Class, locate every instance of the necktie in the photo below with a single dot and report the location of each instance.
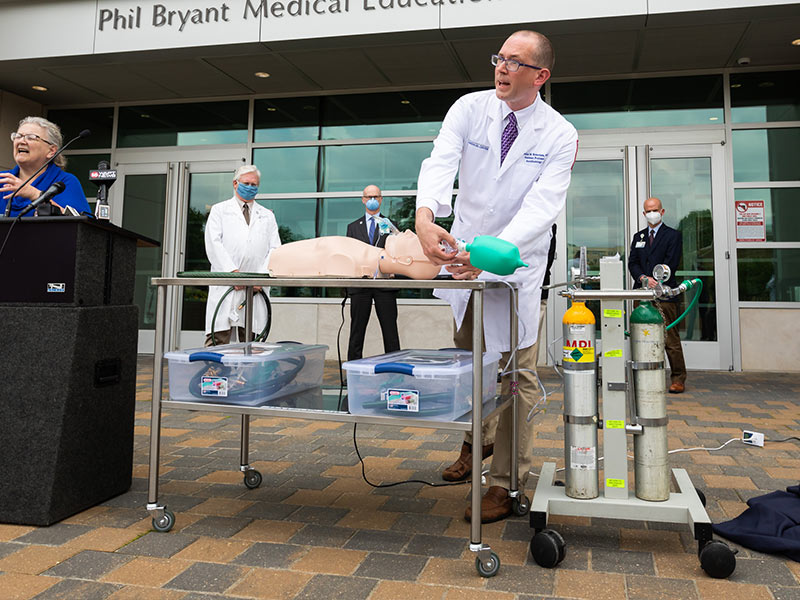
(509, 135)
(246, 212)
(652, 237)
(372, 230)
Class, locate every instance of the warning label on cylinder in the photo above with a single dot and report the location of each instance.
(583, 458)
(578, 355)
(615, 483)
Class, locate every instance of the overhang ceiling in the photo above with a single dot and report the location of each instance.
(444, 58)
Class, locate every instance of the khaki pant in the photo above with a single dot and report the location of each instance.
(224, 337)
(498, 428)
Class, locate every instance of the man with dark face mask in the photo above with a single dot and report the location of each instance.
(655, 245)
(367, 229)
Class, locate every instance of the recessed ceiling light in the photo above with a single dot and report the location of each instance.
(262, 74)
(405, 101)
(766, 84)
(144, 116)
(271, 109)
(736, 85)
(796, 42)
(39, 88)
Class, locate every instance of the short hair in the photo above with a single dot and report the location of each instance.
(246, 169)
(53, 135)
(543, 54)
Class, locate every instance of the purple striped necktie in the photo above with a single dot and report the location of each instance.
(509, 135)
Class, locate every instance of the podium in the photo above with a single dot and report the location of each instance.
(68, 368)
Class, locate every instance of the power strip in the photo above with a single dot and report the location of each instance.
(753, 438)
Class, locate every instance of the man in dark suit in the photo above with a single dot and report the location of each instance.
(366, 228)
(654, 245)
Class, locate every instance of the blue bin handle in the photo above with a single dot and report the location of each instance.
(395, 367)
(205, 355)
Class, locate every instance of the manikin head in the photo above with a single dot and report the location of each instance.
(245, 182)
(404, 256)
(653, 211)
(533, 58)
(372, 198)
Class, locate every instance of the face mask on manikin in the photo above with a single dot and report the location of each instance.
(247, 191)
(653, 217)
(373, 204)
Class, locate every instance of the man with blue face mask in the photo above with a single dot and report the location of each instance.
(367, 229)
(239, 236)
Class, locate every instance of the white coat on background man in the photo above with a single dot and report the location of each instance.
(233, 245)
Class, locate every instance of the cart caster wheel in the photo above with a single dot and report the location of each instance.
(521, 505)
(701, 495)
(718, 559)
(488, 568)
(252, 479)
(165, 522)
(548, 548)
(559, 483)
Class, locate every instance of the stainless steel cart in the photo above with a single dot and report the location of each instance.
(487, 562)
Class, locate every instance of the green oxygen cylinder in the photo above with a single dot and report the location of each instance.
(492, 254)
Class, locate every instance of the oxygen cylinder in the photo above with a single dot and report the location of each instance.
(492, 254)
(580, 402)
(651, 466)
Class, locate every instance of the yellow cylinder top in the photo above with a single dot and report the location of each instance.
(579, 314)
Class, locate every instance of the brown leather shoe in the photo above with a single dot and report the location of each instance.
(676, 388)
(461, 469)
(495, 505)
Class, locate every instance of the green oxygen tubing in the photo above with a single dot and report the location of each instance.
(261, 337)
(684, 286)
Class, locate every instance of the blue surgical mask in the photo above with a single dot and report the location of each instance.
(373, 204)
(247, 191)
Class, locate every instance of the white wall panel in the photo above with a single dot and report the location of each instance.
(49, 29)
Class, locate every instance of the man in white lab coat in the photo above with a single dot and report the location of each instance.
(239, 235)
(513, 155)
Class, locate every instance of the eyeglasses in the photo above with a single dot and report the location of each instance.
(511, 64)
(29, 137)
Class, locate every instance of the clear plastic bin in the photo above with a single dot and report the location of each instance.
(245, 374)
(424, 384)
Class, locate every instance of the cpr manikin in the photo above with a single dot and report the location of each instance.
(339, 256)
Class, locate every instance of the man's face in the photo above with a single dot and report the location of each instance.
(372, 192)
(32, 154)
(248, 179)
(652, 204)
(518, 88)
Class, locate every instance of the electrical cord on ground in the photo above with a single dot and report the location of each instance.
(791, 437)
(394, 483)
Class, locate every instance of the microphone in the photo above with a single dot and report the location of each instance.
(45, 196)
(82, 134)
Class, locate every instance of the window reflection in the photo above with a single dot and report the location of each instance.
(286, 119)
(100, 121)
(80, 165)
(769, 275)
(200, 123)
(287, 170)
(766, 154)
(389, 166)
(758, 97)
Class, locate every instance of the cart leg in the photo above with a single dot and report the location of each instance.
(477, 415)
(163, 519)
(520, 502)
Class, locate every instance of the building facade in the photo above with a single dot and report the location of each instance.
(697, 103)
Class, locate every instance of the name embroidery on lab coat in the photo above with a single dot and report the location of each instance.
(534, 158)
(477, 145)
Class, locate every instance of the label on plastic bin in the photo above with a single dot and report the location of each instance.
(583, 458)
(402, 400)
(214, 386)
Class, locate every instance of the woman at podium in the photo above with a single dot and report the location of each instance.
(36, 141)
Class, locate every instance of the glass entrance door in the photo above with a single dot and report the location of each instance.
(604, 210)
(169, 201)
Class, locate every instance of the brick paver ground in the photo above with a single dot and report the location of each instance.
(315, 529)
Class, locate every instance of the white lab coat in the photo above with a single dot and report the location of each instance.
(233, 244)
(518, 201)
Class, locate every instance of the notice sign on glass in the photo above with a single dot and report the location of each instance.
(750, 221)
